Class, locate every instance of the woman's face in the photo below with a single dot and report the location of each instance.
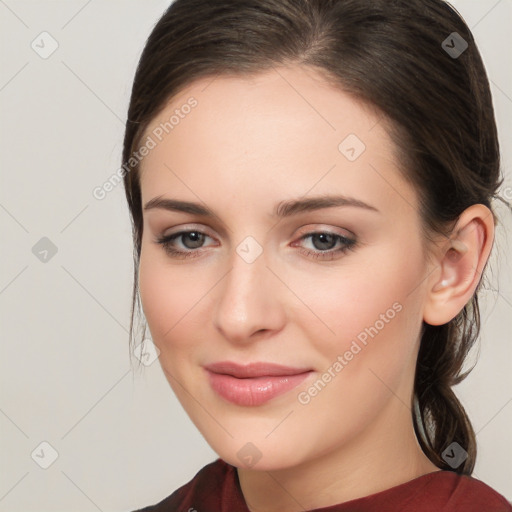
(341, 308)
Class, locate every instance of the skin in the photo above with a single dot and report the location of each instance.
(250, 143)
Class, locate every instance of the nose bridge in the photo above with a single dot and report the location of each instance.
(249, 298)
(247, 279)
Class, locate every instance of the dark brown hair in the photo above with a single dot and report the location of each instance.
(389, 54)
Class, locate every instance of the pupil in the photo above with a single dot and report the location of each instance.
(196, 239)
(325, 238)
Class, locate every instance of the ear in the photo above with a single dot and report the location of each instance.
(460, 262)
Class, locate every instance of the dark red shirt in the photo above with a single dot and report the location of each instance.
(216, 488)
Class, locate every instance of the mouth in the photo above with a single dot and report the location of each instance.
(253, 384)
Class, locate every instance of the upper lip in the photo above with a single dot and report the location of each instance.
(257, 369)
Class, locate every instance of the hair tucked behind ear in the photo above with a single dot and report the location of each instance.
(389, 54)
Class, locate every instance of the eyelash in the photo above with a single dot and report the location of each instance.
(348, 245)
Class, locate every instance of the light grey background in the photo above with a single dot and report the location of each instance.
(121, 437)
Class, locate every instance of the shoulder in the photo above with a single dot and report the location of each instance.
(205, 489)
(462, 492)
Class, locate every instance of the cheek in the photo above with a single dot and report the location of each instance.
(372, 354)
(374, 304)
(171, 297)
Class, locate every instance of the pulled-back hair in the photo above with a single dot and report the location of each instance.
(389, 54)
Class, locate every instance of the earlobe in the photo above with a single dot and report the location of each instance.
(460, 265)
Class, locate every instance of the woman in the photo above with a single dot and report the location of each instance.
(310, 184)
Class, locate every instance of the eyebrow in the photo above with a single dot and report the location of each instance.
(283, 209)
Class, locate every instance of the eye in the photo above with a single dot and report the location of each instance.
(327, 245)
(191, 240)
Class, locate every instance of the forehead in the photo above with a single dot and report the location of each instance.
(284, 129)
(286, 101)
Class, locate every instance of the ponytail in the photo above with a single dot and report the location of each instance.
(439, 417)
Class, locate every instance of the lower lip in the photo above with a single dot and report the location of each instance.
(255, 390)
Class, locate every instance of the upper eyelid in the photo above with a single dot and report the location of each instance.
(335, 231)
(304, 230)
(187, 229)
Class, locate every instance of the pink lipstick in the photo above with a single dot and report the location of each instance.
(253, 384)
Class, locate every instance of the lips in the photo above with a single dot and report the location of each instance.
(253, 384)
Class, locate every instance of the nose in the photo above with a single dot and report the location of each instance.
(250, 302)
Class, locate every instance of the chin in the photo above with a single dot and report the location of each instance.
(256, 453)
